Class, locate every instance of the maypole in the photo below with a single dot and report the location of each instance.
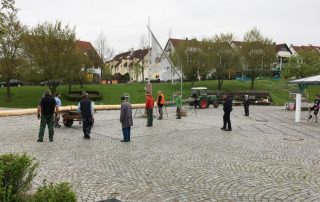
(167, 57)
(149, 85)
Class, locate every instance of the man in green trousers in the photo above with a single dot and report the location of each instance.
(46, 110)
(178, 103)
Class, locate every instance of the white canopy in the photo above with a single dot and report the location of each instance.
(308, 80)
(303, 84)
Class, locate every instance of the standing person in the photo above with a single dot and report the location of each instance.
(126, 119)
(57, 116)
(86, 108)
(46, 109)
(149, 108)
(227, 108)
(195, 102)
(160, 104)
(315, 107)
(178, 103)
(246, 105)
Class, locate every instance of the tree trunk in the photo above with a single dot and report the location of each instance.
(252, 79)
(252, 83)
(81, 83)
(8, 89)
(142, 73)
(69, 86)
(220, 82)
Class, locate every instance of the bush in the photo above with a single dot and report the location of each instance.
(55, 193)
(77, 95)
(16, 174)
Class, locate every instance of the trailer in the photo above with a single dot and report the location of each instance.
(69, 117)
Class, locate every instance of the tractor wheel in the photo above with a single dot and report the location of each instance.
(215, 104)
(203, 103)
(68, 122)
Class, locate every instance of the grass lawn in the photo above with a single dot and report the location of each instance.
(29, 96)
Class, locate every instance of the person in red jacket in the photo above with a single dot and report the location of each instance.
(149, 108)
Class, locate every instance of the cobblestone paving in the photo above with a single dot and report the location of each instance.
(267, 157)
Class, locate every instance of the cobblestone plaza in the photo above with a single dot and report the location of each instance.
(267, 156)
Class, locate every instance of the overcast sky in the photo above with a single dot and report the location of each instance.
(123, 22)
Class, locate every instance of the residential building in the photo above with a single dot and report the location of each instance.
(283, 54)
(295, 49)
(133, 62)
(94, 73)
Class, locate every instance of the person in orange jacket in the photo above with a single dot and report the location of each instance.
(160, 103)
(149, 108)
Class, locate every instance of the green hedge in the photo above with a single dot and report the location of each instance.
(77, 95)
(16, 174)
(55, 193)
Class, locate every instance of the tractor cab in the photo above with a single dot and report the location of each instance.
(199, 91)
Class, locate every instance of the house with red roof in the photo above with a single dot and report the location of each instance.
(295, 49)
(94, 72)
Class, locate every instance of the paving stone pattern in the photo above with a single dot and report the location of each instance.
(267, 156)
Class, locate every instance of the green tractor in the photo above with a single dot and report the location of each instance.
(201, 99)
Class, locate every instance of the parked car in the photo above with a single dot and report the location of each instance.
(13, 82)
(50, 83)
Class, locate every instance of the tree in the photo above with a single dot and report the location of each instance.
(11, 31)
(107, 72)
(189, 56)
(104, 50)
(143, 44)
(137, 69)
(257, 51)
(73, 66)
(220, 56)
(52, 49)
(306, 63)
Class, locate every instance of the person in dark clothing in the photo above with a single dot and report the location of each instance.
(126, 119)
(195, 102)
(46, 110)
(86, 108)
(227, 108)
(246, 105)
(315, 107)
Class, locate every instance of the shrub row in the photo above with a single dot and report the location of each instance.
(16, 175)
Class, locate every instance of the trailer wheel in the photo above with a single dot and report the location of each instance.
(203, 103)
(68, 122)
